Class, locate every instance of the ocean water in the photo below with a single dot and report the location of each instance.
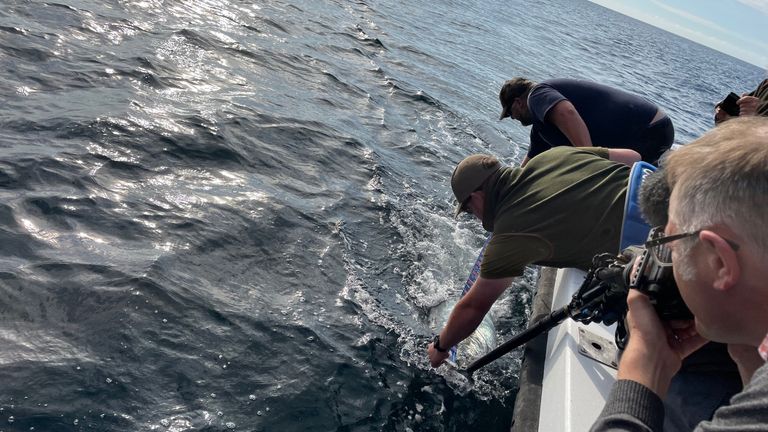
(225, 215)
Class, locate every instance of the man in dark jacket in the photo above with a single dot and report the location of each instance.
(586, 114)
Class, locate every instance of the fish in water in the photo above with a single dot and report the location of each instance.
(479, 343)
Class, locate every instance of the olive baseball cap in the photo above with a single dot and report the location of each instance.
(469, 175)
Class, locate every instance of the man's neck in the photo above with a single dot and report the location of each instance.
(763, 349)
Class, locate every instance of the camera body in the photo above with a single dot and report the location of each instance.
(654, 278)
(603, 295)
(637, 267)
(729, 104)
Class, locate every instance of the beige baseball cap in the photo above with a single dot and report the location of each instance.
(469, 175)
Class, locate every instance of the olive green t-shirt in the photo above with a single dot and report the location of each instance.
(564, 207)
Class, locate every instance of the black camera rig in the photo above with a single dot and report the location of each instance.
(602, 297)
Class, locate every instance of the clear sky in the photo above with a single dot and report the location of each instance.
(735, 27)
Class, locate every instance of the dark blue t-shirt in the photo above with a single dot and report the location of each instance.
(613, 117)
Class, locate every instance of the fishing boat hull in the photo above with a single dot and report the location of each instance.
(567, 373)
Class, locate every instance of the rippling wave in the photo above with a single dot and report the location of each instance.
(223, 215)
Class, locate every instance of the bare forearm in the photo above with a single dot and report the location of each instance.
(462, 322)
(570, 123)
(624, 156)
(467, 314)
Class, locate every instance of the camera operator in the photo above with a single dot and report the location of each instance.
(719, 242)
(708, 378)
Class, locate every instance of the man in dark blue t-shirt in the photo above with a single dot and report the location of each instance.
(586, 114)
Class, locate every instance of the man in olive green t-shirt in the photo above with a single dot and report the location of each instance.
(564, 207)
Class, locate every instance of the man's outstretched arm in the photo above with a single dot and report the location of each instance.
(467, 315)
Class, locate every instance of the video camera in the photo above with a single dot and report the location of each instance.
(602, 297)
(646, 269)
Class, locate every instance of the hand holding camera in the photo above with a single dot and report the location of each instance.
(730, 104)
(670, 346)
(748, 105)
(736, 106)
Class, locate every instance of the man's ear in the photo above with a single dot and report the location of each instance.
(722, 259)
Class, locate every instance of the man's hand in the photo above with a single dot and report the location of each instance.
(436, 358)
(467, 315)
(655, 350)
(720, 115)
(747, 105)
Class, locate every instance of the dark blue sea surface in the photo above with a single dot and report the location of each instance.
(219, 214)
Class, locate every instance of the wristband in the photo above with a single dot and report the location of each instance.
(436, 344)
